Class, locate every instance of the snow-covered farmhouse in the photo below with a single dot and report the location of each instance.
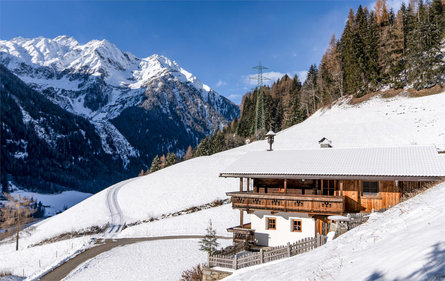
(290, 194)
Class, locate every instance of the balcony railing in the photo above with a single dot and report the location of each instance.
(315, 204)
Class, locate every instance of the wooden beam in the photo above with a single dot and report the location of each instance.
(316, 188)
(285, 185)
(271, 196)
(241, 218)
(321, 187)
(241, 184)
(341, 188)
(248, 184)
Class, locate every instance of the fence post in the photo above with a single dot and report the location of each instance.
(288, 249)
(261, 256)
(235, 262)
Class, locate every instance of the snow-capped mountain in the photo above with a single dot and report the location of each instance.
(46, 148)
(139, 106)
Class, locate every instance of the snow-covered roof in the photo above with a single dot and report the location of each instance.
(417, 162)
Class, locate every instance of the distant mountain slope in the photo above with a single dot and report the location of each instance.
(45, 147)
(139, 107)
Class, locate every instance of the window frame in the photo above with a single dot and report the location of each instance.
(293, 224)
(370, 193)
(274, 222)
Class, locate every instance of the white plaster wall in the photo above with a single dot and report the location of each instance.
(283, 233)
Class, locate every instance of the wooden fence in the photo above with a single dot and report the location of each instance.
(246, 259)
(357, 219)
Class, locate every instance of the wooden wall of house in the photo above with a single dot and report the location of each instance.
(351, 192)
(390, 193)
(294, 186)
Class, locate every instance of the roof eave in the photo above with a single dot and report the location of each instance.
(333, 177)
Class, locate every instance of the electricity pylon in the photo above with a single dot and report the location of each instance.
(260, 119)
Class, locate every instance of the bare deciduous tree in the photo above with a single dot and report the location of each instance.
(15, 213)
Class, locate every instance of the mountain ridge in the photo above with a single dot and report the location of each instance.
(169, 108)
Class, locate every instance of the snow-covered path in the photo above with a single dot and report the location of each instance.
(117, 217)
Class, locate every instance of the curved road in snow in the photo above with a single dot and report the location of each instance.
(107, 242)
(66, 268)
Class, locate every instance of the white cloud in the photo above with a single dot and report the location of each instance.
(220, 83)
(302, 75)
(234, 96)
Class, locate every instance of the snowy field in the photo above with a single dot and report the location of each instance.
(31, 261)
(406, 243)
(377, 122)
(154, 261)
(222, 218)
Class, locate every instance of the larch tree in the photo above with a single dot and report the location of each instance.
(15, 213)
(163, 161)
(189, 153)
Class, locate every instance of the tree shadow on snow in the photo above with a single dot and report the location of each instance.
(433, 269)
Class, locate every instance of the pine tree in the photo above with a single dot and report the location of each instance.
(360, 50)
(171, 159)
(155, 165)
(348, 52)
(209, 243)
(309, 90)
(371, 40)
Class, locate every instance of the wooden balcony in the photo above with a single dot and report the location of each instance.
(312, 204)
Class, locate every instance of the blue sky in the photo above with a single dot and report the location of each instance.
(218, 41)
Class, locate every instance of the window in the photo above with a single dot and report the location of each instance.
(296, 225)
(370, 187)
(271, 223)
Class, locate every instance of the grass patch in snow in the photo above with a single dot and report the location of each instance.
(391, 93)
(69, 235)
(215, 203)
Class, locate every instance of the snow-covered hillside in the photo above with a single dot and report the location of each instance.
(140, 107)
(377, 122)
(407, 242)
